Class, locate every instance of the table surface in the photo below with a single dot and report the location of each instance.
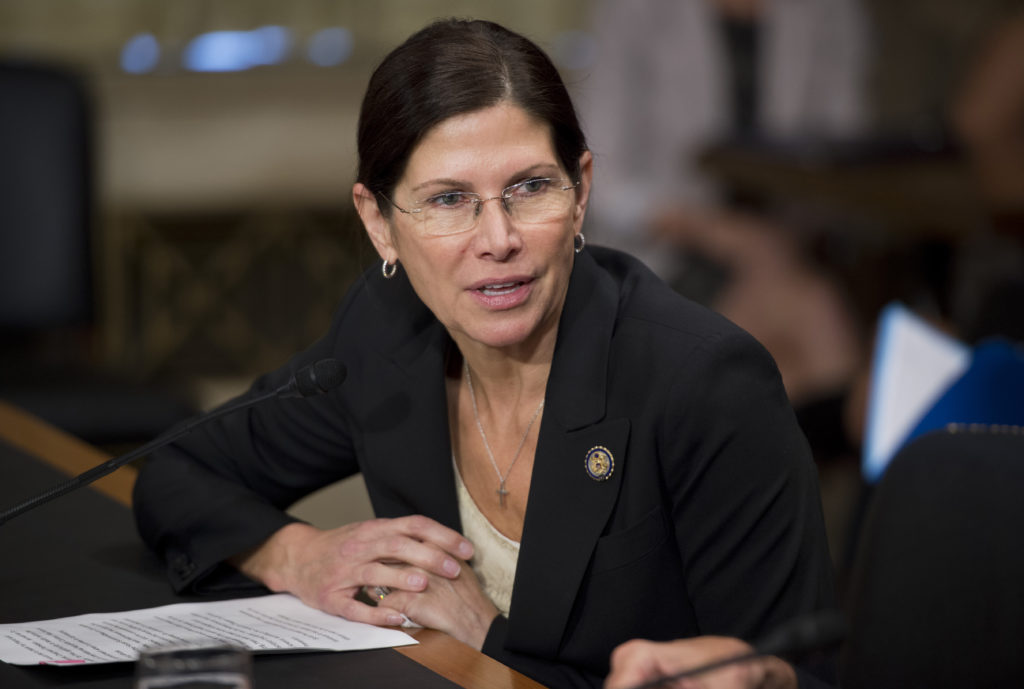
(86, 557)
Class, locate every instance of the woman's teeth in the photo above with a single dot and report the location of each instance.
(495, 290)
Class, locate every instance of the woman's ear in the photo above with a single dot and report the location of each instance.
(377, 226)
(583, 191)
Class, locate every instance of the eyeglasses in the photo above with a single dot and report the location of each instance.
(533, 201)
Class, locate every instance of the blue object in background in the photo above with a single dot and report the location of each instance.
(235, 51)
(990, 392)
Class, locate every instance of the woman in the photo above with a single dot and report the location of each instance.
(562, 453)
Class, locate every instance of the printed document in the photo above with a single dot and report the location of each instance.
(273, 623)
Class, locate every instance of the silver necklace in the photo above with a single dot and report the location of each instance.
(487, 446)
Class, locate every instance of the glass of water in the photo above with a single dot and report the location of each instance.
(194, 666)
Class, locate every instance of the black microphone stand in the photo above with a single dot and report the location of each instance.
(314, 379)
(811, 632)
(111, 465)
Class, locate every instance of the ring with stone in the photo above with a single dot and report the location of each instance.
(380, 592)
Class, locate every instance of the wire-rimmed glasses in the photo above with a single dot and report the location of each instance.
(533, 201)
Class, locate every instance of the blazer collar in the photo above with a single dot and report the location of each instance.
(577, 385)
(414, 333)
(405, 415)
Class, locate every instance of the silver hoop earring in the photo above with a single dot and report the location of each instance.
(388, 274)
(578, 242)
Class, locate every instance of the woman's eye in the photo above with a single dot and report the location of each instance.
(533, 186)
(447, 200)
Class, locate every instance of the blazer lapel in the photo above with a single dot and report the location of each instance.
(568, 507)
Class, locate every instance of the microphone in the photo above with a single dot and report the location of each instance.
(812, 632)
(315, 379)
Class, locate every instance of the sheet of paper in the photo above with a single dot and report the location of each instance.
(278, 622)
(914, 363)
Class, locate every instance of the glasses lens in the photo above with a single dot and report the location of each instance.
(539, 200)
(441, 221)
(448, 213)
(530, 202)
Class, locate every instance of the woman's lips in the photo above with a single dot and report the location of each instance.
(505, 293)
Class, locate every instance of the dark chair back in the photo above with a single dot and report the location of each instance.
(45, 199)
(48, 361)
(936, 596)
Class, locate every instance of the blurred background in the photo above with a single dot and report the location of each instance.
(175, 182)
(222, 140)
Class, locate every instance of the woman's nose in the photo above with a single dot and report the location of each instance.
(496, 233)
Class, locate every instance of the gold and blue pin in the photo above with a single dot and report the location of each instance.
(600, 464)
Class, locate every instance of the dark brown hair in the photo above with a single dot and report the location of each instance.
(453, 67)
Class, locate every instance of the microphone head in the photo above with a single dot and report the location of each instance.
(813, 632)
(317, 378)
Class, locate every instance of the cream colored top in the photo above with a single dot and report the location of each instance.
(495, 555)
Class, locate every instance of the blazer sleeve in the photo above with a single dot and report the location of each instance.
(224, 488)
(746, 502)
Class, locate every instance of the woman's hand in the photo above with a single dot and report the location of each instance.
(326, 569)
(638, 661)
(457, 606)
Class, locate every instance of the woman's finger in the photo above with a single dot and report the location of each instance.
(458, 607)
(401, 541)
(426, 530)
(355, 610)
(391, 577)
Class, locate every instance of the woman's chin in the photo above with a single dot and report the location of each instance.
(501, 335)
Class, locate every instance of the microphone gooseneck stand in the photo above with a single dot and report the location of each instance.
(816, 631)
(315, 379)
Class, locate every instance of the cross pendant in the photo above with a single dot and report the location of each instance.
(501, 494)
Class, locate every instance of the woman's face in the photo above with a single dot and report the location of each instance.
(502, 283)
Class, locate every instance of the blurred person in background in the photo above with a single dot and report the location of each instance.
(987, 116)
(673, 77)
(949, 75)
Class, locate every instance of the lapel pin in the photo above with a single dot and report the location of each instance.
(600, 464)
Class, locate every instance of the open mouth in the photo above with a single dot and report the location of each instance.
(498, 290)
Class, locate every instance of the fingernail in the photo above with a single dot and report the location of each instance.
(465, 550)
(416, 580)
(395, 620)
(451, 567)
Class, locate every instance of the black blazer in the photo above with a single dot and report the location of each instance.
(710, 522)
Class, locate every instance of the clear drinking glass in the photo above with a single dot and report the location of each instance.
(194, 666)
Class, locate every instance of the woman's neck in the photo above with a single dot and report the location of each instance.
(514, 375)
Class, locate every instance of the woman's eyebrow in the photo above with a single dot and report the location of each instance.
(440, 182)
(547, 168)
